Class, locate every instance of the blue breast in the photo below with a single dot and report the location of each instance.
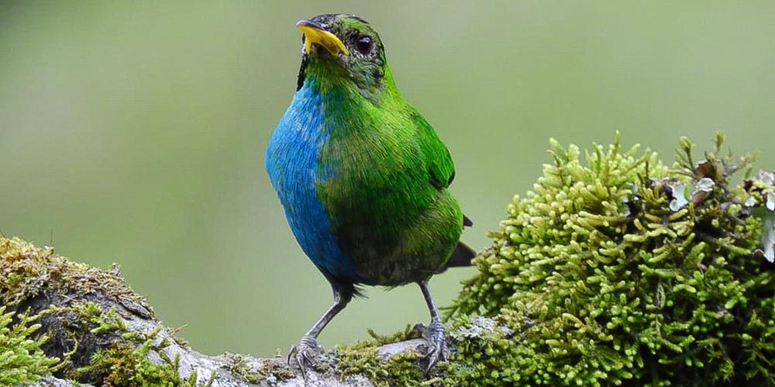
(292, 163)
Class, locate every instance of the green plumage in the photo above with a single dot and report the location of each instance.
(383, 173)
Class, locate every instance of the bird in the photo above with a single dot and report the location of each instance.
(363, 178)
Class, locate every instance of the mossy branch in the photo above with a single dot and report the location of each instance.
(615, 269)
(98, 331)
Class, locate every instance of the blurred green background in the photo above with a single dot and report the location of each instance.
(134, 131)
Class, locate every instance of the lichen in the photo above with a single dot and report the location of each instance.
(601, 281)
(21, 359)
(761, 191)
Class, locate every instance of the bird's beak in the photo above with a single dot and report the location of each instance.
(316, 33)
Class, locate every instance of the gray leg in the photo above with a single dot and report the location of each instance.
(305, 352)
(434, 334)
(339, 304)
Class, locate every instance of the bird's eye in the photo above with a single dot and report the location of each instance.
(364, 44)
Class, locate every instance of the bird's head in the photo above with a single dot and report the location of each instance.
(343, 50)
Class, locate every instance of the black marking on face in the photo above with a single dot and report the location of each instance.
(302, 70)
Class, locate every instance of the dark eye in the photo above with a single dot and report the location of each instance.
(364, 44)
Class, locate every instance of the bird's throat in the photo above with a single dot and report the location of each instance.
(328, 77)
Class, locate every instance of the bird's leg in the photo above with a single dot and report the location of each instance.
(434, 333)
(305, 352)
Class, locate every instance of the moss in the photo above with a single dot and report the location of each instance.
(102, 349)
(408, 333)
(238, 365)
(27, 271)
(269, 370)
(124, 361)
(21, 359)
(125, 364)
(402, 369)
(363, 358)
(610, 272)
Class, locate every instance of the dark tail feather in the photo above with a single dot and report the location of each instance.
(461, 257)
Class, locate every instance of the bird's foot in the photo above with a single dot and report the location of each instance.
(304, 354)
(437, 345)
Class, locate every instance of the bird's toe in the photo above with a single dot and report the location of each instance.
(304, 354)
(437, 344)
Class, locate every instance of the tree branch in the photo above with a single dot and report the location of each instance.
(103, 331)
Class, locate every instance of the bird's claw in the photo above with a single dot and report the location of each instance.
(437, 345)
(304, 354)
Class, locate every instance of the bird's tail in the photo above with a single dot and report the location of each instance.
(463, 254)
(461, 257)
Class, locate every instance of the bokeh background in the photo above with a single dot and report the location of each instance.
(134, 131)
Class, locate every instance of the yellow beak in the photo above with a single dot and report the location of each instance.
(314, 33)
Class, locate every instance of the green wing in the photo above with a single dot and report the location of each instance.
(436, 155)
(437, 158)
(442, 172)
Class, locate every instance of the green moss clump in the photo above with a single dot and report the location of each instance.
(363, 358)
(101, 349)
(609, 272)
(21, 359)
(125, 364)
(27, 271)
(271, 371)
(124, 361)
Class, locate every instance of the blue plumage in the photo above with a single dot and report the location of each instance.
(292, 162)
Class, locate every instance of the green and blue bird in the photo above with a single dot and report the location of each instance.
(363, 176)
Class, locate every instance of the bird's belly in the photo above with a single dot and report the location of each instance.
(312, 227)
(396, 236)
